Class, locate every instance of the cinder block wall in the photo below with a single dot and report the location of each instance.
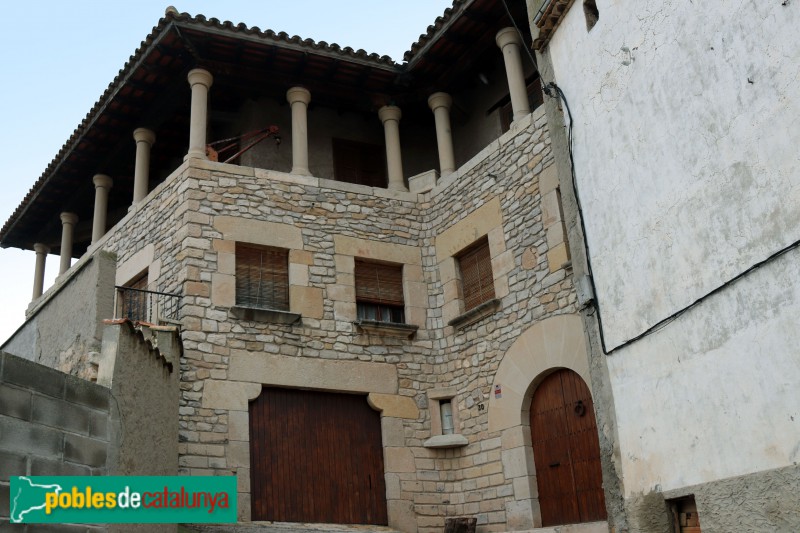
(50, 424)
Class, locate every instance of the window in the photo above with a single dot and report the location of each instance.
(379, 292)
(477, 281)
(134, 299)
(446, 411)
(360, 163)
(262, 277)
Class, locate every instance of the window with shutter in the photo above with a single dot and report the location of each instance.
(262, 277)
(134, 302)
(477, 281)
(379, 292)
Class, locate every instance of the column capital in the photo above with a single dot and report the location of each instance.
(200, 76)
(298, 94)
(40, 248)
(389, 112)
(508, 36)
(102, 181)
(144, 135)
(69, 218)
(440, 99)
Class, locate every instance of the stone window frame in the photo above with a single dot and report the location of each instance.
(437, 438)
(129, 270)
(484, 222)
(305, 301)
(343, 292)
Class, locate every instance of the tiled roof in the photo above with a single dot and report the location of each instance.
(435, 29)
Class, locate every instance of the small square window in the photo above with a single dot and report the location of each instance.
(262, 277)
(379, 292)
(477, 280)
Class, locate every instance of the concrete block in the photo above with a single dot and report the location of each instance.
(28, 374)
(60, 414)
(87, 393)
(4, 499)
(15, 402)
(98, 425)
(12, 464)
(54, 467)
(85, 451)
(39, 440)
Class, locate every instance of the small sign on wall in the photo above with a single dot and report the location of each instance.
(498, 392)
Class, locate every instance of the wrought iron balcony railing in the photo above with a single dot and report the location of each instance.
(141, 305)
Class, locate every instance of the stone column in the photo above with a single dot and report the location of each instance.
(440, 104)
(509, 41)
(38, 275)
(68, 221)
(390, 116)
(200, 80)
(298, 98)
(102, 184)
(141, 173)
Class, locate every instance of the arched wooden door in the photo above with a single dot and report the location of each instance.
(316, 457)
(566, 451)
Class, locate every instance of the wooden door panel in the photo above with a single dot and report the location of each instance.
(316, 457)
(566, 451)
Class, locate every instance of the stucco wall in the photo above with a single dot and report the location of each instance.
(687, 168)
(686, 157)
(65, 324)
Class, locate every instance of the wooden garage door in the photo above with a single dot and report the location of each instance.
(316, 457)
(566, 451)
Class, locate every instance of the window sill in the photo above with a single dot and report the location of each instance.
(475, 314)
(446, 441)
(386, 329)
(255, 314)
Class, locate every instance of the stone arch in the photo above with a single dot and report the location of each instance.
(553, 343)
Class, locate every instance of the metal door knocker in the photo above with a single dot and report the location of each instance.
(580, 409)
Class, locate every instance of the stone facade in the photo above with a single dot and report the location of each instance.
(184, 234)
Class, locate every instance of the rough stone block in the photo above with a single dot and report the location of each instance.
(39, 440)
(31, 375)
(12, 463)
(15, 402)
(87, 393)
(60, 414)
(85, 451)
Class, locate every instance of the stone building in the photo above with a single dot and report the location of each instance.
(685, 161)
(377, 315)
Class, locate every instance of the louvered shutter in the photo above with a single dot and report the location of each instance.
(379, 283)
(262, 277)
(477, 281)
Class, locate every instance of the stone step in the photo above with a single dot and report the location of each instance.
(589, 527)
(281, 527)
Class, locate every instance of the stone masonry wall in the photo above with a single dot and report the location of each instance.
(195, 217)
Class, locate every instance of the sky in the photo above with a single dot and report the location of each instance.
(57, 58)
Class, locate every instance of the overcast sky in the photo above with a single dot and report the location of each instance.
(57, 58)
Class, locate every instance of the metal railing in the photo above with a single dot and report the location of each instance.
(141, 305)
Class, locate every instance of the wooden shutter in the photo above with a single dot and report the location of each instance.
(378, 283)
(262, 277)
(360, 163)
(477, 281)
